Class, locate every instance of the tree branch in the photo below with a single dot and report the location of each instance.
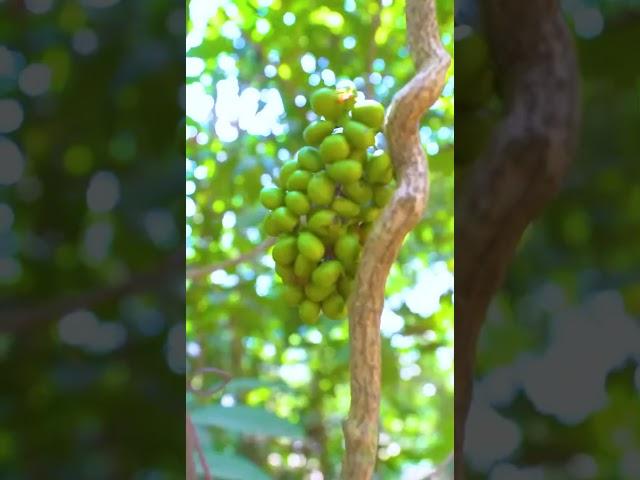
(195, 273)
(520, 171)
(399, 217)
(21, 319)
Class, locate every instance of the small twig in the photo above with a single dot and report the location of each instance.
(195, 442)
(194, 273)
(226, 378)
(373, 48)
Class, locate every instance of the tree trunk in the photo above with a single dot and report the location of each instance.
(381, 249)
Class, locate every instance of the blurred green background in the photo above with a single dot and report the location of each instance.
(91, 240)
(251, 67)
(558, 381)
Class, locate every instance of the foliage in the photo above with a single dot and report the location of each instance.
(90, 202)
(251, 67)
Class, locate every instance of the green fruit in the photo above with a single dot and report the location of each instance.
(345, 207)
(317, 131)
(334, 148)
(303, 267)
(318, 293)
(271, 197)
(269, 226)
(285, 250)
(359, 155)
(334, 307)
(321, 189)
(347, 250)
(309, 159)
(286, 274)
(345, 286)
(345, 171)
(379, 168)
(369, 112)
(297, 202)
(382, 194)
(371, 214)
(324, 223)
(359, 192)
(285, 172)
(359, 135)
(327, 273)
(292, 295)
(299, 180)
(310, 246)
(284, 219)
(309, 311)
(326, 102)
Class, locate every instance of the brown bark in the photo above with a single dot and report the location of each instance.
(520, 171)
(401, 214)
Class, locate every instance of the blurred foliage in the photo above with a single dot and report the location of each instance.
(250, 69)
(91, 198)
(559, 360)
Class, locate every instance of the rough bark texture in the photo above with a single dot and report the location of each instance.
(401, 214)
(522, 168)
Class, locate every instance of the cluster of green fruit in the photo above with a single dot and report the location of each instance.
(326, 201)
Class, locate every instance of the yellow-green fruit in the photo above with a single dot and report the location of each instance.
(326, 102)
(371, 214)
(327, 273)
(285, 172)
(284, 219)
(292, 295)
(271, 197)
(297, 202)
(345, 171)
(324, 222)
(309, 159)
(321, 189)
(334, 148)
(286, 274)
(359, 155)
(318, 293)
(303, 267)
(317, 131)
(379, 168)
(382, 194)
(334, 306)
(359, 192)
(310, 246)
(269, 226)
(369, 112)
(345, 286)
(345, 207)
(359, 135)
(285, 250)
(347, 250)
(308, 311)
(299, 180)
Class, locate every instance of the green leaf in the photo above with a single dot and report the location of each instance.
(225, 466)
(246, 420)
(243, 385)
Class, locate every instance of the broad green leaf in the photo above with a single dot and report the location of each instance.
(224, 466)
(246, 420)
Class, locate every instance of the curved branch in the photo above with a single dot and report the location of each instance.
(194, 273)
(381, 249)
(520, 171)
